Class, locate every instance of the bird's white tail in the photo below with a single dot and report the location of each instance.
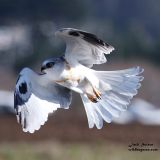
(117, 89)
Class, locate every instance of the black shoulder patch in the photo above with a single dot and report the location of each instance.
(91, 38)
(74, 33)
(23, 88)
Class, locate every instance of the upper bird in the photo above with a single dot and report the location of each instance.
(104, 93)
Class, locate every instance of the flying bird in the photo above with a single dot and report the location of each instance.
(105, 94)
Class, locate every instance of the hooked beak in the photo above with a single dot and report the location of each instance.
(43, 68)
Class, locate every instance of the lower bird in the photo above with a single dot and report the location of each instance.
(105, 94)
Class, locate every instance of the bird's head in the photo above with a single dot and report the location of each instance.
(50, 64)
(47, 64)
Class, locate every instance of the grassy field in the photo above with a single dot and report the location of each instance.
(71, 151)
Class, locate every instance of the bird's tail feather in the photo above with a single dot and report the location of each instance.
(117, 89)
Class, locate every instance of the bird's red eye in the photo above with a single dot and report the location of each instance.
(50, 64)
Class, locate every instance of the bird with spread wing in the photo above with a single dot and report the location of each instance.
(105, 94)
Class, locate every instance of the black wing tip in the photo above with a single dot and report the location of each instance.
(18, 100)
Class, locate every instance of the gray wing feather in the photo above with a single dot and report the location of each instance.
(34, 100)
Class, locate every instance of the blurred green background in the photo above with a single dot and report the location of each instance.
(27, 38)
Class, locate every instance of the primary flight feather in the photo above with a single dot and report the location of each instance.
(105, 94)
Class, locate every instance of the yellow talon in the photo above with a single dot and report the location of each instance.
(97, 93)
(92, 98)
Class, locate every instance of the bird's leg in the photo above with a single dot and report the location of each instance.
(97, 92)
(92, 92)
(92, 98)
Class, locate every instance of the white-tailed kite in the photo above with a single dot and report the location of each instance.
(105, 94)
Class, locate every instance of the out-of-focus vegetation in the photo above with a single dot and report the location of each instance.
(132, 27)
(72, 151)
